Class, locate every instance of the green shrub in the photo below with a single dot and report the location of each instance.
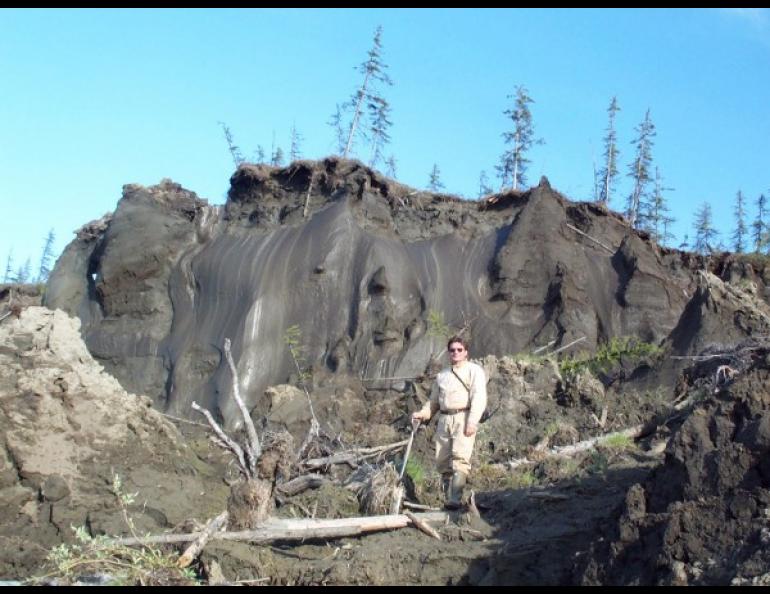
(124, 565)
(415, 471)
(608, 356)
(437, 327)
(617, 442)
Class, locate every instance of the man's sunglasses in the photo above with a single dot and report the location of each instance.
(456, 350)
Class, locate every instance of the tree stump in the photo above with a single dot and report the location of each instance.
(250, 503)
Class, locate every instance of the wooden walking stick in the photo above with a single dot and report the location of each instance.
(398, 491)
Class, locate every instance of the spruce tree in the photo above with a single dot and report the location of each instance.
(45, 260)
(296, 138)
(390, 165)
(277, 159)
(8, 277)
(741, 230)
(639, 169)
(379, 118)
(373, 70)
(513, 161)
(705, 234)
(339, 133)
(484, 187)
(609, 171)
(759, 227)
(434, 183)
(23, 273)
(655, 216)
(235, 152)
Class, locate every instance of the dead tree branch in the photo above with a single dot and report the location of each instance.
(581, 446)
(196, 547)
(293, 529)
(419, 506)
(353, 456)
(254, 450)
(301, 483)
(566, 346)
(544, 347)
(223, 438)
(422, 525)
(596, 241)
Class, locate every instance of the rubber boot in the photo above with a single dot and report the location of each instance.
(446, 481)
(455, 499)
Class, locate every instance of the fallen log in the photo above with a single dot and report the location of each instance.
(582, 446)
(300, 484)
(422, 525)
(352, 456)
(196, 547)
(565, 347)
(294, 529)
(419, 506)
(596, 241)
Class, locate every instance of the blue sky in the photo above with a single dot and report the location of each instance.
(94, 99)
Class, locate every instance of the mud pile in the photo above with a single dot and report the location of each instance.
(374, 274)
(703, 517)
(67, 429)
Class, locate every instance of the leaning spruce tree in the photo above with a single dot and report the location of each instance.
(513, 161)
(45, 259)
(235, 152)
(368, 93)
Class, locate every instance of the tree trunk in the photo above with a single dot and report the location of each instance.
(249, 504)
(296, 529)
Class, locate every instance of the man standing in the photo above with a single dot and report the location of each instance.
(460, 394)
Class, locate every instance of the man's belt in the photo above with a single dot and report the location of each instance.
(454, 411)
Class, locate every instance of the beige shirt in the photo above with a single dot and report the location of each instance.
(447, 391)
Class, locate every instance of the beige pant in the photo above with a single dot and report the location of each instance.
(453, 448)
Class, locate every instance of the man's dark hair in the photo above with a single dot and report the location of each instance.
(460, 339)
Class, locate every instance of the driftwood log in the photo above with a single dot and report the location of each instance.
(582, 446)
(295, 529)
(196, 547)
(352, 457)
(301, 483)
(422, 525)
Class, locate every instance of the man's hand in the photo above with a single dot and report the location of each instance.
(470, 429)
(417, 417)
